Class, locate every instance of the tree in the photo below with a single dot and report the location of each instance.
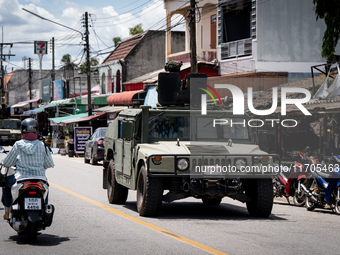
(82, 68)
(66, 60)
(136, 29)
(68, 65)
(116, 40)
(329, 11)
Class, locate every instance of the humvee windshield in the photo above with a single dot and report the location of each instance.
(210, 128)
(169, 127)
(11, 124)
(173, 127)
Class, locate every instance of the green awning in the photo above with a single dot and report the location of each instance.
(100, 100)
(59, 119)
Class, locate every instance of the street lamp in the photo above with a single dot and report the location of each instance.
(53, 21)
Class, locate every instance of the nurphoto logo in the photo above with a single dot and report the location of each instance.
(239, 102)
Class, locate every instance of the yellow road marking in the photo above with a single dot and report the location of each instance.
(144, 223)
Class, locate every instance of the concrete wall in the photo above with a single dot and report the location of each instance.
(18, 84)
(287, 31)
(288, 39)
(177, 41)
(149, 55)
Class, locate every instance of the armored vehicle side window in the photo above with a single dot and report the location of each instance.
(169, 127)
(126, 130)
(227, 129)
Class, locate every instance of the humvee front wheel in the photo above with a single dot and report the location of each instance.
(260, 192)
(149, 194)
(116, 193)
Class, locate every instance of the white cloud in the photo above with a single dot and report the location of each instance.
(33, 1)
(20, 26)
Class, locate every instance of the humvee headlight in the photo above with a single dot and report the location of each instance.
(265, 159)
(240, 163)
(157, 160)
(182, 164)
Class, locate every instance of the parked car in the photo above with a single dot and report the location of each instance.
(94, 147)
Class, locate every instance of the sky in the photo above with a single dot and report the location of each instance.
(108, 19)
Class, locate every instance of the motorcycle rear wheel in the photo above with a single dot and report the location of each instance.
(310, 205)
(31, 232)
(298, 198)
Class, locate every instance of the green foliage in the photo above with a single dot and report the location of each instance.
(136, 29)
(82, 68)
(66, 60)
(116, 40)
(329, 11)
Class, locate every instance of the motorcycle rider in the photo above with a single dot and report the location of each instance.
(29, 155)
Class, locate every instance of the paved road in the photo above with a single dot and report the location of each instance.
(85, 223)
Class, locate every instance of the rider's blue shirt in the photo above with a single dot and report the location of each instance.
(29, 157)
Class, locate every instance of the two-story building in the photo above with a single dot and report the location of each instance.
(279, 38)
(135, 56)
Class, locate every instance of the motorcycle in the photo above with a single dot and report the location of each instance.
(29, 212)
(290, 186)
(324, 187)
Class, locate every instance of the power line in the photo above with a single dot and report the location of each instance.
(126, 12)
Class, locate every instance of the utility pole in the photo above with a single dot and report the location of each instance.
(53, 72)
(30, 80)
(2, 58)
(192, 26)
(88, 67)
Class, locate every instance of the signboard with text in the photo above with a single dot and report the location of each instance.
(58, 89)
(110, 117)
(81, 135)
(40, 47)
(46, 90)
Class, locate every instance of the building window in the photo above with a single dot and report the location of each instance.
(236, 21)
(236, 27)
(103, 88)
(109, 81)
(118, 81)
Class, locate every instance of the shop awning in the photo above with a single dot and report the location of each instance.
(64, 101)
(126, 97)
(25, 103)
(110, 108)
(38, 110)
(95, 116)
(60, 119)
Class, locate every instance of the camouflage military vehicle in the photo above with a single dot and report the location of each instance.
(9, 131)
(167, 154)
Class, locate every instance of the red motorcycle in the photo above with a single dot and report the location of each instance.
(288, 184)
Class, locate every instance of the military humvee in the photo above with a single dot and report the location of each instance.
(171, 150)
(10, 131)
